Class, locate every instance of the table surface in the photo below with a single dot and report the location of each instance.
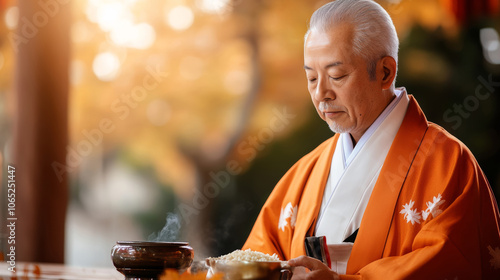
(45, 271)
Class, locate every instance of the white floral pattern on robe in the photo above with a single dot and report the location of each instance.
(287, 212)
(413, 215)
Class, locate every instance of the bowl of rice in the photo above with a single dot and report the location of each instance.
(249, 265)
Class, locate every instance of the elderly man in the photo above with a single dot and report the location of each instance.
(395, 196)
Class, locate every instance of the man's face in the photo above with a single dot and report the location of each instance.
(338, 81)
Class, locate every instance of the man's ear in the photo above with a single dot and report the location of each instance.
(388, 67)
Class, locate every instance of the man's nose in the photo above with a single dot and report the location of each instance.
(324, 90)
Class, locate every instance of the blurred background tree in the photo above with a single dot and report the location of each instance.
(198, 107)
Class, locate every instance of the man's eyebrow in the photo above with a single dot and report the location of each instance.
(337, 63)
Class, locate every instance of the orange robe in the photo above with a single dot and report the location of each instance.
(431, 215)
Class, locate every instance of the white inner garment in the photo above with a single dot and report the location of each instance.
(353, 173)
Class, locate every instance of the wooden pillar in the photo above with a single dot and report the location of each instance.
(41, 43)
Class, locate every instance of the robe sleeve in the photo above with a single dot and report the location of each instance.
(292, 207)
(462, 242)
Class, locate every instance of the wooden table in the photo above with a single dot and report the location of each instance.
(45, 271)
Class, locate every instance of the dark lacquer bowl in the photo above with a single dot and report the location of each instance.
(147, 260)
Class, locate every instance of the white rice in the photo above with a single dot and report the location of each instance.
(249, 256)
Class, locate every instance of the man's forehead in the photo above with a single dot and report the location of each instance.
(318, 40)
(330, 48)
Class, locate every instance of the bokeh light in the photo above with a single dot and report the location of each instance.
(108, 14)
(491, 45)
(106, 66)
(180, 17)
(214, 6)
(139, 36)
(12, 17)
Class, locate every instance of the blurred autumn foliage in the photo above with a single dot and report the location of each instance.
(211, 83)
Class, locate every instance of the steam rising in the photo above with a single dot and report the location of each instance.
(170, 232)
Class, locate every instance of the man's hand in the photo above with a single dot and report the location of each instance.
(317, 269)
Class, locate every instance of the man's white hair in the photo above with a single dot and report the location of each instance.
(374, 32)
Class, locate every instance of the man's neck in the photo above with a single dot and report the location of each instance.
(389, 96)
(351, 146)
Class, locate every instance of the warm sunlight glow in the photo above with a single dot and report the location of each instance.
(11, 17)
(139, 36)
(109, 14)
(106, 66)
(180, 17)
(80, 32)
(214, 6)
